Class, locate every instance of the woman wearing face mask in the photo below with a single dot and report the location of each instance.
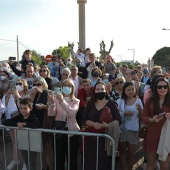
(96, 74)
(4, 82)
(69, 63)
(98, 105)
(65, 107)
(105, 79)
(11, 98)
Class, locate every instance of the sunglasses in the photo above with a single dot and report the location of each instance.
(120, 82)
(160, 87)
(38, 84)
(43, 70)
(20, 84)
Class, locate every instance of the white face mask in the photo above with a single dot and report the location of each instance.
(18, 68)
(68, 62)
(3, 77)
(19, 88)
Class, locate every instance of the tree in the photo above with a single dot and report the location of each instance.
(162, 57)
(63, 52)
(36, 57)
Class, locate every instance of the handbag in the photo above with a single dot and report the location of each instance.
(106, 115)
(59, 125)
(143, 131)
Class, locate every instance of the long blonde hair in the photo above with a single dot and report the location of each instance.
(72, 95)
(24, 84)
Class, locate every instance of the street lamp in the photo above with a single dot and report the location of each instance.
(165, 29)
(133, 54)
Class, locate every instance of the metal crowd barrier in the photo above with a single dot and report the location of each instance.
(31, 140)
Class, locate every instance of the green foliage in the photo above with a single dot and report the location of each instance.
(162, 57)
(63, 52)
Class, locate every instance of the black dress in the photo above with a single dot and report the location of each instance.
(90, 144)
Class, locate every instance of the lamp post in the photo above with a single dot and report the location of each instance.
(133, 54)
(82, 23)
(165, 29)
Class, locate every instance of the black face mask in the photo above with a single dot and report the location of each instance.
(100, 95)
(95, 74)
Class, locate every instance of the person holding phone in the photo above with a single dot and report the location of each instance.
(130, 107)
(152, 116)
(38, 95)
(64, 107)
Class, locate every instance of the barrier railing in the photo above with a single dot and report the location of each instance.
(31, 140)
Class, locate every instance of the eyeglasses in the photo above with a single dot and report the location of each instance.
(43, 70)
(20, 84)
(120, 82)
(38, 84)
(164, 86)
(73, 69)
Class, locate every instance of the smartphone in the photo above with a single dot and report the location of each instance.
(12, 58)
(13, 85)
(161, 114)
(57, 90)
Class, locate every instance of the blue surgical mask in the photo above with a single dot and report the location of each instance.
(78, 64)
(67, 90)
(145, 71)
(57, 64)
(106, 81)
(68, 62)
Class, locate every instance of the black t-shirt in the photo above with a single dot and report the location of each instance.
(32, 121)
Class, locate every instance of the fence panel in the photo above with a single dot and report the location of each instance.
(31, 140)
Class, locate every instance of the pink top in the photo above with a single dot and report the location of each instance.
(70, 108)
(147, 94)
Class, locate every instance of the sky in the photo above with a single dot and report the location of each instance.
(44, 25)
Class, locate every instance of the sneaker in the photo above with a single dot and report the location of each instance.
(24, 167)
(12, 164)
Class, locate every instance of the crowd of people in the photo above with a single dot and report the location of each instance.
(91, 95)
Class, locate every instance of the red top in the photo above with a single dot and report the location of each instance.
(154, 129)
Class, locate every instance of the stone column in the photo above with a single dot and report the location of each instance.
(82, 24)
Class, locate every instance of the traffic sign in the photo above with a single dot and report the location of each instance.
(48, 58)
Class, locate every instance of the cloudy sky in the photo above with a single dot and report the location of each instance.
(44, 25)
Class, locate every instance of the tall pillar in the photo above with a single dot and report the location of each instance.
(82, 24)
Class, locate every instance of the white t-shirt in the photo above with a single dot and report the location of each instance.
(29, 82)
(132, 122)
(81, 57)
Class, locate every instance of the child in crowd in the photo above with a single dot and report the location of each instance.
(25, 119)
